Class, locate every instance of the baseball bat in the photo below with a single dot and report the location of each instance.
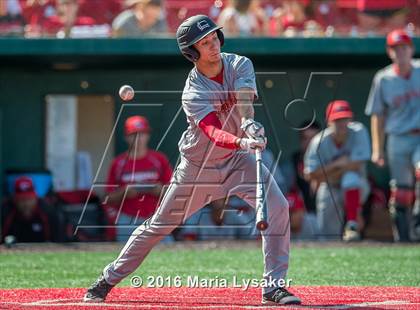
(261, 222)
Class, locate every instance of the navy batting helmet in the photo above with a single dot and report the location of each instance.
(192, 30)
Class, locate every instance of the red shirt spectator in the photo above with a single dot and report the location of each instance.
(179, 10)
(55, 24)
(35, 13)
(290, 19)
(11, 20)
(61, 18)
(153, 168)
(135, 168)
(243, 18)
(326, 12)
(102, 11)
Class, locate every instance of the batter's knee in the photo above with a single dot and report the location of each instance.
(351, 179)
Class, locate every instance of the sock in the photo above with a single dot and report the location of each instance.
(352, 204)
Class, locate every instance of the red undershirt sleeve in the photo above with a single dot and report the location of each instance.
(212, 127)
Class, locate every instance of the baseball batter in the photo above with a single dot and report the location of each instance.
(215, 160)
(394, 107)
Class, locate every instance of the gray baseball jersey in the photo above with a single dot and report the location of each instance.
(322, 150)
(329, 197)
(397, 98)
(202, 96)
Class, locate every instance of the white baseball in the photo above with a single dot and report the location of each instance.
(126, 92)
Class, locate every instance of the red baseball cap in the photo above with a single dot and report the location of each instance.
(135, 124)
(398, 37)
(338, 109)
(24, 188)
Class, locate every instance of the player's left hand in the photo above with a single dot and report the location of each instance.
(253, 129)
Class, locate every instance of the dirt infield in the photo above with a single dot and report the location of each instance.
(313, 297)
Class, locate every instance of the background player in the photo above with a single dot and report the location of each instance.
(140, 174)
(217, 100)
(336, 159)
(394, 106)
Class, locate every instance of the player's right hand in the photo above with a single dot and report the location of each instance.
(378, 159)
(250, 145)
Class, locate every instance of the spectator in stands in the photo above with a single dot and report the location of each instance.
(397, 20)
(145, 17)
(331, 18)
(136, 178)
(102, 11)
(179, 10)
(336, 159)
(378, 17)
(243, 18)
(36, 12)
(65, 19)
(289, 19)
(11, 20)
(62, 21)
(28, 218)
(300, 184)
(369, 24)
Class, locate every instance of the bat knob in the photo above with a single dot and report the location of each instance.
(262, 225)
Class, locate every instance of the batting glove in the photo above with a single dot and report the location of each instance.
(253, 129)
(250, 145)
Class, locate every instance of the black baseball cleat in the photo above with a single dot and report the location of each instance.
(280, 296)
(98, 291)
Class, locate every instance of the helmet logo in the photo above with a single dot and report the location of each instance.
(203, 24)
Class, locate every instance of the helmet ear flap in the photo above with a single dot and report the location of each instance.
(191, 53)
(221, 37)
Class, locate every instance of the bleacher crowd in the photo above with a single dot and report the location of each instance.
(243, 18)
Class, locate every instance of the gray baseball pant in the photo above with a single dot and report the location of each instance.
(190, 189)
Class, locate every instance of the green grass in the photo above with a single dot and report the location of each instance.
(383, 266)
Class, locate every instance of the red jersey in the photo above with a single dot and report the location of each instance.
(102, 11)
(54, 24)
(151, 169)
